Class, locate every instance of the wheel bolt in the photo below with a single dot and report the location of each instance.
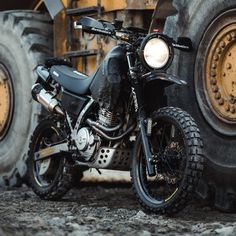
(233, 34)
(222, 44)
(213, 73)
(213, 81)
(228, 66)
(221, 102)
(217, 95)
(227, 108)
(218, 50)
(213, 66)
(232, 109)
(229, 37)
(232, 99)
(215, 89)
(224, 74)
(216, 57)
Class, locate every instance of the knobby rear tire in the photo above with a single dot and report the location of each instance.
(63, 179)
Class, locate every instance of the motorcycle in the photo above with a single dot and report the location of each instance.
(116, 119)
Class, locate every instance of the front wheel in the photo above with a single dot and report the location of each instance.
(176, 145)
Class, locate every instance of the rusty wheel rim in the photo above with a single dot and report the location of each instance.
(220, 74)
(6, 101)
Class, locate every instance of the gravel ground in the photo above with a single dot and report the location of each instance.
(103, 210)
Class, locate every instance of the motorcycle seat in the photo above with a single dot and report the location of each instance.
(71, 79)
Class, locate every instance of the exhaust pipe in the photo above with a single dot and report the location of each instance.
(46, 99)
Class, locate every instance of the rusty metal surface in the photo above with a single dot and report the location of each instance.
(5, 101)
(60, 34)
(121, 4)
(220, 74)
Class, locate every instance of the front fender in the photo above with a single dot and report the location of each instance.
(164, 79)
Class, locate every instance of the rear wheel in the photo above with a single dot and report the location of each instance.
(177, 147)
(26, 40)
(50, 178)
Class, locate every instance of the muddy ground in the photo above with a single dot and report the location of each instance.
(103, 210)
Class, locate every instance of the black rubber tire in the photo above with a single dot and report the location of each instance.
(62, 180)
(26, 40)
(192, 169)
(192, 20)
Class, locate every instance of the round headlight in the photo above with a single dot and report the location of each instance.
(157, 53)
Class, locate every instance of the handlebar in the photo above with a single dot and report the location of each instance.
(123, 35)
(129, 34)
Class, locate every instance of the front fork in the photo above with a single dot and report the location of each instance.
(140, 111)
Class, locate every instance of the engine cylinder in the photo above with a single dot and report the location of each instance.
(107, 118)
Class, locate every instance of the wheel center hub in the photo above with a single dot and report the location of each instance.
(220, 73)
(6, 101)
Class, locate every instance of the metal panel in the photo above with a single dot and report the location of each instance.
(54, 7)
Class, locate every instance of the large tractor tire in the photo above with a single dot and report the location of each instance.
(25, 41)
(210, 96)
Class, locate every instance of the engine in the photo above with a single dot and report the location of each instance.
(86, 142)
(107, 118)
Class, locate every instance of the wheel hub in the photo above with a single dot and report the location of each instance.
(6, 101)
(220, 74)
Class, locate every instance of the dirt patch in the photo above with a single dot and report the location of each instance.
(103, 210)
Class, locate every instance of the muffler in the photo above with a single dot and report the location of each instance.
(46, 98)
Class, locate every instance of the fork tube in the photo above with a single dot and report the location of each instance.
(139, 109)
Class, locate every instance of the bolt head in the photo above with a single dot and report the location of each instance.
(213, 73)
(227, 108)
(216, 57)
(229, 37)
(228, 66)
(219, 50)
(215, 89)
(221, 102)
(217, 96)
(222, 44)
(232, 109)
(213, 81)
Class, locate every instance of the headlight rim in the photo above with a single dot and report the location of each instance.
(167, 40)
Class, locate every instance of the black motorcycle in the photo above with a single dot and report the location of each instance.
(116, 119)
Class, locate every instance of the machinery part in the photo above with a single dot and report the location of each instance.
(178, 157)
(112, 158)
(6, 104)
(104, 128)
(206, 78)
(215, 84)
(86, 143)
(25, 41)
(46, 99)
(116, 138)
(50, 151)
(49, 178)
(107, 118)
